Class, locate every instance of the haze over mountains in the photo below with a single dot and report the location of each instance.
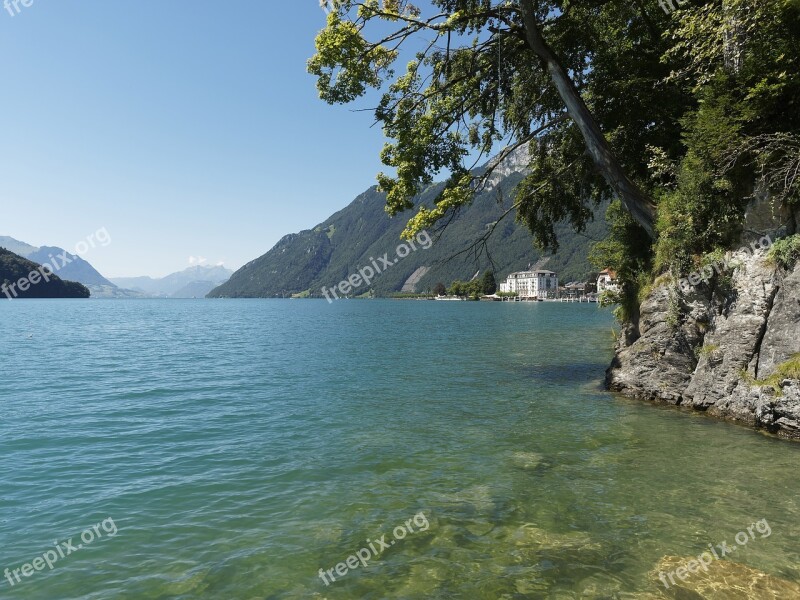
(482, 236)
(194, 282)
(14, 269)
(302, 263)
(76, 269)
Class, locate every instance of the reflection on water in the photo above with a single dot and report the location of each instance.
(240, 447)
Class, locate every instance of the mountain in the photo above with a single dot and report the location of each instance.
(76, 269)
(195, 289)
(65, 265)
(15, 246)
(111, 291)
(193, 282)
(14, 268)
(302, 263)
(139, 284)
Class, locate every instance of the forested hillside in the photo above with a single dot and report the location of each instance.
(14, 268)
(330, 252)
(685, 113)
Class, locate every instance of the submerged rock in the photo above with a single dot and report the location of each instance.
(534, 537)
(478, 498)
(423, 580)
(526, 460)
(725, 580)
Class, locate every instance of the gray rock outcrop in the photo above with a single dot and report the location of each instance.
(711, 346)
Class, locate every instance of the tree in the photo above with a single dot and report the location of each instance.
(638, 204)
(474, 289)
(439, 289)
(458, 288)
(684, 117)
(488, 283)
(522, 73)
(591, 283)
(464, 289)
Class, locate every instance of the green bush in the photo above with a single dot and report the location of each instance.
(785, 252)
(789, 369)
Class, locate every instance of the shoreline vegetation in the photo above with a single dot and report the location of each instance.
(635, 157)
(686, 120)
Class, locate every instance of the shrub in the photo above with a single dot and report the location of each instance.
(785, 252)
(789, 369)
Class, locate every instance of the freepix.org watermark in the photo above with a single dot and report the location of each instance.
(705, 559)
(14, 7)
(366, 274)
(59, 261)
(370, 551)
(669, 5)
(62, 550)
(706, 273)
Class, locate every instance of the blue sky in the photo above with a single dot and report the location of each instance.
(184, 127)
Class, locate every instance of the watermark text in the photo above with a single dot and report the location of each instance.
(14, 7)
(46, 270)
(705, 559)
(62, 550)
(371, 551)
(366, 274)
(706, 273)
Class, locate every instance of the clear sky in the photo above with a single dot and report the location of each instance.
(186, 128)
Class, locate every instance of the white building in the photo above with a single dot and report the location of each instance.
(607, 280)
(575, 289)
(532, 284)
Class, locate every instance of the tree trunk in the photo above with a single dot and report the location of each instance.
(635, 201)
(733, 42)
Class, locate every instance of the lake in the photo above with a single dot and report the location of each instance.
(246, 449)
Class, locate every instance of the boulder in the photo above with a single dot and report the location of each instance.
(724, 580)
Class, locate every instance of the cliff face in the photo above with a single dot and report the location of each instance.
(712, 346)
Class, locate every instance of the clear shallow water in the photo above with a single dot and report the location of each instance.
(240, 446)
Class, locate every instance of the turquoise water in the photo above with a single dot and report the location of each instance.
(238, 447)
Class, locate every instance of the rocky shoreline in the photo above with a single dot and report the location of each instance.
(720, 346)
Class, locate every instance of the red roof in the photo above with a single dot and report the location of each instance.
(610, 272)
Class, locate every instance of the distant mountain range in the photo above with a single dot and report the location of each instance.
(14, 268)
(194, 282)
(302, 263)
(76, 269)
